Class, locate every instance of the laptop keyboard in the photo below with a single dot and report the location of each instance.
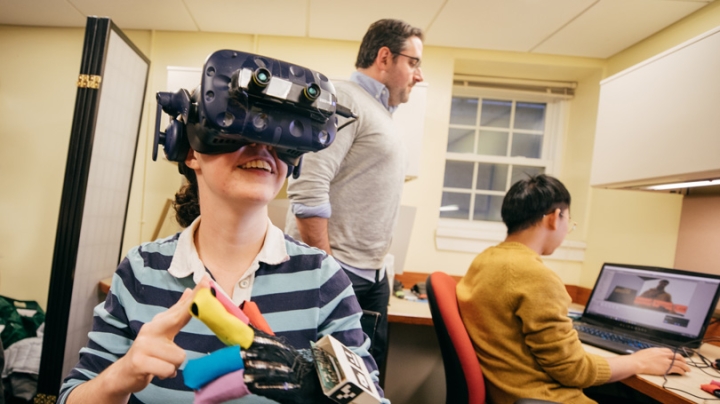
(611, 336)
(618, 343)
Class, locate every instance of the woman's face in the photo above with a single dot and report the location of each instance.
(251, 175)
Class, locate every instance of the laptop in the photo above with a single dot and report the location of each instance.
(633, 307)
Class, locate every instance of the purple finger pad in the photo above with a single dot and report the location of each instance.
(225, 388)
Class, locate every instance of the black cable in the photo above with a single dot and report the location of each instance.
(346, 124)
(705, 361)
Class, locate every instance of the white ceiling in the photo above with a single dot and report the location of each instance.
(592, 28)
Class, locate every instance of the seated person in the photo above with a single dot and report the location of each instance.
(143, 333)
(658, 292)
(515, 309)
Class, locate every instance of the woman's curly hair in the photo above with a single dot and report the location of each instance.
(187, 201)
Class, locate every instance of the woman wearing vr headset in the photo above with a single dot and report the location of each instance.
(143, 334)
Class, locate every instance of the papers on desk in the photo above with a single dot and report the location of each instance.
(412, 298)
(409, 311)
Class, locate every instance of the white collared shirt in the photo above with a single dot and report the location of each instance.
(186, 260)
(375, 88)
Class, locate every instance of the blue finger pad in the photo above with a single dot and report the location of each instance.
(201, 371)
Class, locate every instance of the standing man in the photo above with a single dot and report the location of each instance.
(347, 200)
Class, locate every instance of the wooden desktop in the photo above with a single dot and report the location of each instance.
(688, 383)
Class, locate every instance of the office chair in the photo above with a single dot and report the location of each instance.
(464, 380)
(369, 321)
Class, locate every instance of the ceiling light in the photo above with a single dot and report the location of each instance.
(690, 184)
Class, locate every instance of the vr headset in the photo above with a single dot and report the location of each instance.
(245, 98)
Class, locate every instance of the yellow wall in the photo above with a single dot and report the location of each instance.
(37, 94)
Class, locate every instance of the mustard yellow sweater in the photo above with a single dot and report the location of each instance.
(515, 310)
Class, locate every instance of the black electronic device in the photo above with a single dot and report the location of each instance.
(621, 316)
(246, 98)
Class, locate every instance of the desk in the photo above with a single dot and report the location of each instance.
(652, 385)
(104, 285)
(414, 371)
(409, 312)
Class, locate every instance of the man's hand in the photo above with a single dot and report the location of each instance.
(650, 361)
(656, 361)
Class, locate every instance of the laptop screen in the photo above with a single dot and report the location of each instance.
(658, 302)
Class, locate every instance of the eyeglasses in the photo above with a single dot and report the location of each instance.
(574, 224)
(414, 62)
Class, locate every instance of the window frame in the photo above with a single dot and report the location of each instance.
(475, 235)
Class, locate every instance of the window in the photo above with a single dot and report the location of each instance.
(492, 143)
(495, 138)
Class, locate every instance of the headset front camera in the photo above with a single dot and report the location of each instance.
(261, 77)
(311, 92)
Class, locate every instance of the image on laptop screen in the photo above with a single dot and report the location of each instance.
(656, 299)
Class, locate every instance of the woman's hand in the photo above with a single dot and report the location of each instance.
(276, 370)
(153, 353)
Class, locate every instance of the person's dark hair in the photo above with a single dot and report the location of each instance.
(187, 201)
(529, 199)
(386, 32)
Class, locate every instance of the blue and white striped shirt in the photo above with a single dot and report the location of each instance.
(302, 298)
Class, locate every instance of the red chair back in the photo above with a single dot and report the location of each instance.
(463, 375)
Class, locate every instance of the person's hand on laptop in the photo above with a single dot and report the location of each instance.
(650, 361)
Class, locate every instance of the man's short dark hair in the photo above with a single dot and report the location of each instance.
(529, 199)
(386, 32)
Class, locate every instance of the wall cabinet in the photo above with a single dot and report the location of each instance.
(659, 121)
